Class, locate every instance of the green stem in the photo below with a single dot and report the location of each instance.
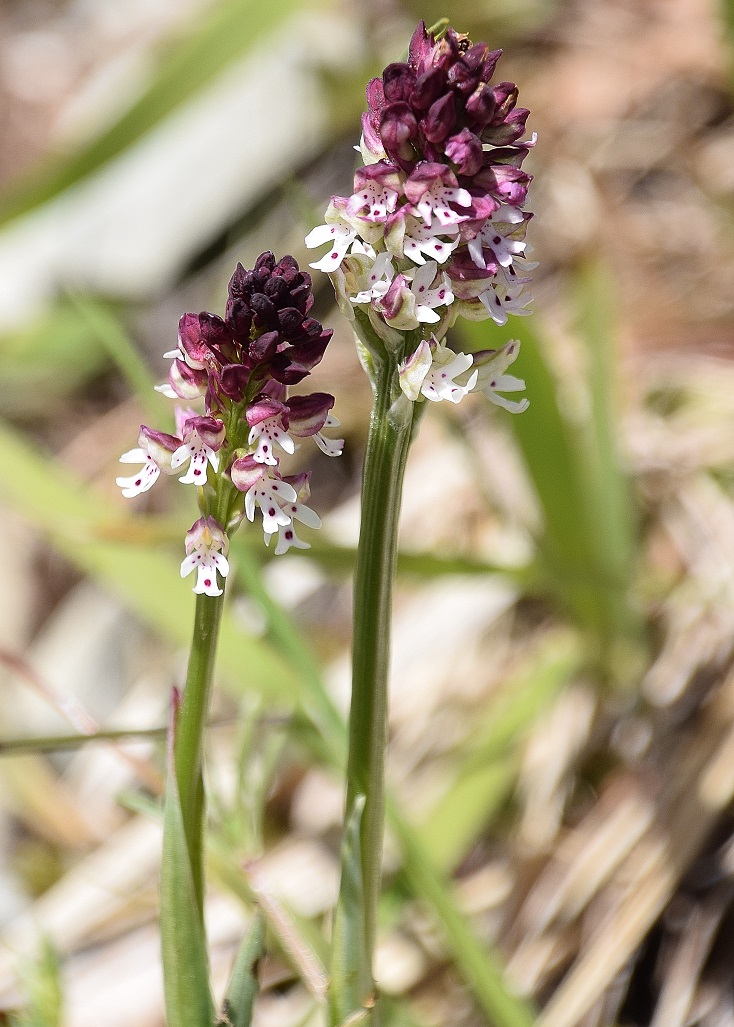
(190, 731)
(385, 459)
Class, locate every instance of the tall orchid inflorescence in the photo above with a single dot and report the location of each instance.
(241, 368)
(435, 228)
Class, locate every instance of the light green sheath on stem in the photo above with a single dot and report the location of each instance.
(385, 459)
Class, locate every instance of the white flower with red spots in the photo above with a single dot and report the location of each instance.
(431, 371)
(206, 546)
(155, 452)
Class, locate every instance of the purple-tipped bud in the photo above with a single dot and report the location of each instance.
(191, 341)
(159, 446)
(187, 382)
(265, 407)
(233, 381)
(490, 63)
(308, 413)
(428, 88)
(263, 347)
(465, 151)
(210, 430)
(398, 81)
(265, 313)
(424, 176)
(507, 183)
(481, 105)
(294, 363)
(245, 472)
(421, 48)
(511, 129)
(397, 127)
(441, 119)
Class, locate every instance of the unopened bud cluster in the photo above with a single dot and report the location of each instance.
(241, 368)
(435, 227)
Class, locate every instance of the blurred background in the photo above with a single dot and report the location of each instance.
(562, 728)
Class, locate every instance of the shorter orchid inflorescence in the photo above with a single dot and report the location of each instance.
(435, 228)
(241, 367)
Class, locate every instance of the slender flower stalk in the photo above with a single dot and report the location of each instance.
(434, 230)
(240, 370)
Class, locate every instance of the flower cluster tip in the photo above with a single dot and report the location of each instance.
(241, 368)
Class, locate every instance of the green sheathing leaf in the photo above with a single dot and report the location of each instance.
(189, 1001)
(243, 984)
(226, 33)
(350, 988)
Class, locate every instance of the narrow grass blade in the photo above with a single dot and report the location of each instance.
(243, 984)
(489, 765)
(479, 965)
(46, 360)
(189, 1000)
(108, 332)
(224, 34)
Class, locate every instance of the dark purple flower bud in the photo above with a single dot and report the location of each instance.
(276, 289)
(266, 261)
(428, 88)
(238, 316)
(245, 472)
(441, 119)
(290, 321)
(375, 96)
(506, 183)
(512, 128)
(490, 63)
(398, 81)
(475, 56)
(238, 282)
(265, 314)
(263, 347)
(265, 407)
(308, 413)
(294, 363)
(233, 381)
(462, 78)
(465, 150)
(505, 98)
(397, 127)
(481, 105)
(214, 331)
(421, 48)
